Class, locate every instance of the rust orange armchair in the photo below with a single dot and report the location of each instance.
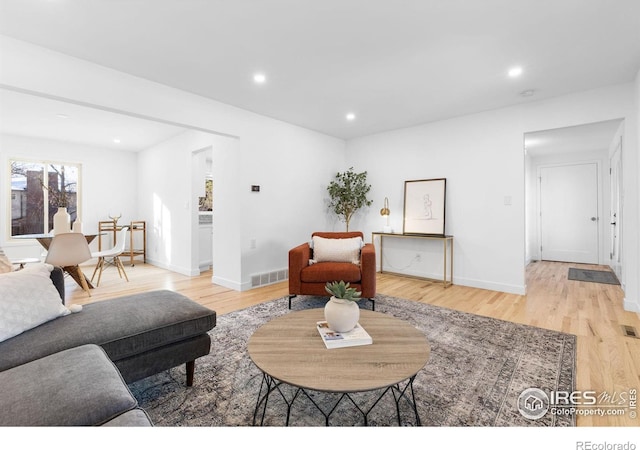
(331, 256)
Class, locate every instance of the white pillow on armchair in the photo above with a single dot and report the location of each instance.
(337, 250)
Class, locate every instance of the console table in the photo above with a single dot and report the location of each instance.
(447, 247)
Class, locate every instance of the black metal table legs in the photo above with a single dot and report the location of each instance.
(401, 391)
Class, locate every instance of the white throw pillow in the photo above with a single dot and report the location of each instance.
(337, 250)
(28, 298)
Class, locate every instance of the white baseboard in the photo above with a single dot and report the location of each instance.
(632, 306)
(480, 284)
(500, 287)
(230, 283)
(178, 269)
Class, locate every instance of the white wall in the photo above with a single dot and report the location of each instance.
(293, 168)
(482, 157)
(531, 245)
(293, 165)
(164, 193)
(632, 302)
(287, 209)
(227, 230)
(615, 263)
(108, 184)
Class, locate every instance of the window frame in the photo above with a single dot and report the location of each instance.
(45, 163)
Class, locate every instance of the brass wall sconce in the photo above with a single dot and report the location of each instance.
(386, 212)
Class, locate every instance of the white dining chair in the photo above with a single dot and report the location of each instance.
(69, 250)
(111, 256)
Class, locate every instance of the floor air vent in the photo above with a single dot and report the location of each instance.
(269, 277)
(630, 331)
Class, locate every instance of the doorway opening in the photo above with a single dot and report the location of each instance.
(568, 194)
(202, 182)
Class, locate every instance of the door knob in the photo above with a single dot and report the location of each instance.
(593, 219)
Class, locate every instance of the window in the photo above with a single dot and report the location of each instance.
(37, 190)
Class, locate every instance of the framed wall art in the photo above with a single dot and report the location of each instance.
(424, 206)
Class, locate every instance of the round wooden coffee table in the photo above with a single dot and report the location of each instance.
(289, 350)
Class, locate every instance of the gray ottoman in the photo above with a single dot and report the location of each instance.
(75, 387)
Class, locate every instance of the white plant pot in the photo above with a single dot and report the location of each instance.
(341, 315)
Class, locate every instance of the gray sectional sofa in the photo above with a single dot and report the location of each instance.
(82, 362)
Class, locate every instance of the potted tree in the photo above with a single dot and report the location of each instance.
(348, 193)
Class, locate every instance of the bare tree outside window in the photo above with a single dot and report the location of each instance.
(37, 190)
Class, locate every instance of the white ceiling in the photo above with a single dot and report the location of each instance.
(29, 115)
(392, 63)
(581, 138)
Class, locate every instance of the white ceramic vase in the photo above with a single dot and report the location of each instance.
(341, 315)
(61, 221)
(77, 226)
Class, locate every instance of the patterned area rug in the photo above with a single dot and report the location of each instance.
(593, 276)
(477, 369)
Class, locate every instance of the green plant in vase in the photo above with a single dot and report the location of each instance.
(342, 311)
(342, 290)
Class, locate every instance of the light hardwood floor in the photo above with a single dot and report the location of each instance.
(607, 361)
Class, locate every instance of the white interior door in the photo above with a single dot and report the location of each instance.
(569, 213)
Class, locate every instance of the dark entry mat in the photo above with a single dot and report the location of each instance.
(593, 276)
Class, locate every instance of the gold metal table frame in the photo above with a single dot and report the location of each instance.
(447, 247)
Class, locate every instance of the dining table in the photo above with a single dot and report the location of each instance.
(45, 239)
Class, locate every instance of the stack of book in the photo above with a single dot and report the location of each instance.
(333, 339)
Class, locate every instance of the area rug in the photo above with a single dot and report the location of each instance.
(593, 276)
(477, 369)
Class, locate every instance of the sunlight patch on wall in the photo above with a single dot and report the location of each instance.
(162, 228)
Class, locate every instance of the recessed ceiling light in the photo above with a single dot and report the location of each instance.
(116, 141)
(259, 78)
(515, 72)
(351, 116)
